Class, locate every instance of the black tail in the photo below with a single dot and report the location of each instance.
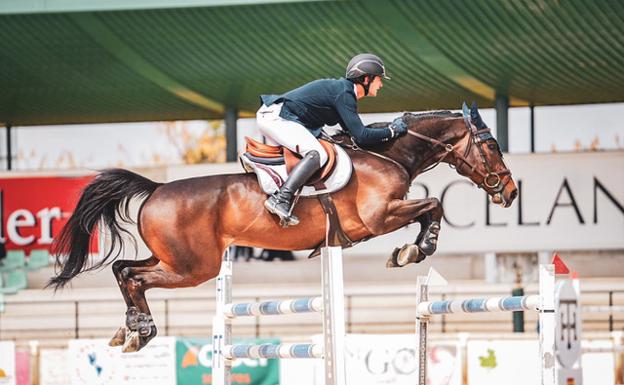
(107, 198)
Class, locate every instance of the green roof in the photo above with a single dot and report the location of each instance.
(99, 61)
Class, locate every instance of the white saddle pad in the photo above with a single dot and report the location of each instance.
(271, 177)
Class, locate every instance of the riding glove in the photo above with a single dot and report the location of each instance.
(398, 127)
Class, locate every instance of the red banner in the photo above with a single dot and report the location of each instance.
(34, 210)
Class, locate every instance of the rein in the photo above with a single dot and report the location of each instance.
(477, 137)
(353, 146)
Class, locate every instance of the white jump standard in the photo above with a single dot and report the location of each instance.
(331, 304)
(544, 303)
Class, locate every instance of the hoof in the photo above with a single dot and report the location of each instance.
(409, 254)
(392, 261)
(119, 338)
(132, 343)
(405, 255)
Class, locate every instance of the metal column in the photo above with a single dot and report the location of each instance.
(532, 126)
(230, 117)
(502, 122)
(9, 153)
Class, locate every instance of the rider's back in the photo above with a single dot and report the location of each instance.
(314, 104)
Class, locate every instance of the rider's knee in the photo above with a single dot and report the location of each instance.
(320, 155)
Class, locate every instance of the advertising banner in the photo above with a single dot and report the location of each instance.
(33, 210)
(503, 362)
(599, 360)
(93, 362)
(7, 363)
(565, 202)
(22, 367)
(194, 363)
(54, 367)
(392, 359)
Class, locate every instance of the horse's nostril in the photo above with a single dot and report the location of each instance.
(513, 194)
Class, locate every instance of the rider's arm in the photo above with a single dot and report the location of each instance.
(350, 121)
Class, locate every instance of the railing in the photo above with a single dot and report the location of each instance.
(368, 310)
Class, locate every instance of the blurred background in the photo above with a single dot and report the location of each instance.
(169, 89)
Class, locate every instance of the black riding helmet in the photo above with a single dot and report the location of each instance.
(365, 64)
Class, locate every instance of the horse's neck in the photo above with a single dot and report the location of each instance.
(417, 154)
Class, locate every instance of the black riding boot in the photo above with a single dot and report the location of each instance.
(280, 203)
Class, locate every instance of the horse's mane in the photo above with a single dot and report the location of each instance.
(431, 115)
(409, 118)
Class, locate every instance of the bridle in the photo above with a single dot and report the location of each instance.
(491, 179)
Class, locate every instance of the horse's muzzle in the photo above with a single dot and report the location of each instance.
(500, 199)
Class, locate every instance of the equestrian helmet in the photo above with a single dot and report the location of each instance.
(365, 64)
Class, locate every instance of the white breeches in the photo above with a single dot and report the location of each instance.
(287, 133)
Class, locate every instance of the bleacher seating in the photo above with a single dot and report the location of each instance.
(14, 259)
(16, 280)
(14, 270)
(38, 259)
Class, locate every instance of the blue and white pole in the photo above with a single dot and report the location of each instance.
(544, 303)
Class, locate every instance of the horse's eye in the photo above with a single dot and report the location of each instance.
(492, 146)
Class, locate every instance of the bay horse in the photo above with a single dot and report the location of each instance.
(188, 224)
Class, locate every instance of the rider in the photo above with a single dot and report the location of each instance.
(295, 119)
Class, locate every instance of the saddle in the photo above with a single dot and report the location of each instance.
(272, 164)
(266, 153)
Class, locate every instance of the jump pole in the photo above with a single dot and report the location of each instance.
(544, 303)
(331, 304)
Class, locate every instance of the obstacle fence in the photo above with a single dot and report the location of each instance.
(544, 303)
(331, 304)
(558, 308)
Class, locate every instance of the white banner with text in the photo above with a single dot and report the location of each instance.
(565, 202)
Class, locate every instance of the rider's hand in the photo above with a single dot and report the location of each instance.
(399, 127)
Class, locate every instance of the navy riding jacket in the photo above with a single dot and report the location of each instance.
(327, 102)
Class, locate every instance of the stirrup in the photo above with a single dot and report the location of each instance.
(290, 221)
(285, 220)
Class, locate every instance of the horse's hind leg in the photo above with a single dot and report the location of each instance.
(131, 309)
(140, 279)
(428, 212)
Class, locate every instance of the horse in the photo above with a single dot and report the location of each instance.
(188, 224)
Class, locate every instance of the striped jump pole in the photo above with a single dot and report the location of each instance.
(544, 303)
(290, 306)
(331, 304)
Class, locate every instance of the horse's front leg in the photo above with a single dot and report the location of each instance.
(428, 212)
(427, 239)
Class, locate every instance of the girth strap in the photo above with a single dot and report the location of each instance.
(334, 234)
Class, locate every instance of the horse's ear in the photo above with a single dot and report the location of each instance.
(475, 116)
(465, 110)
(474, 111)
